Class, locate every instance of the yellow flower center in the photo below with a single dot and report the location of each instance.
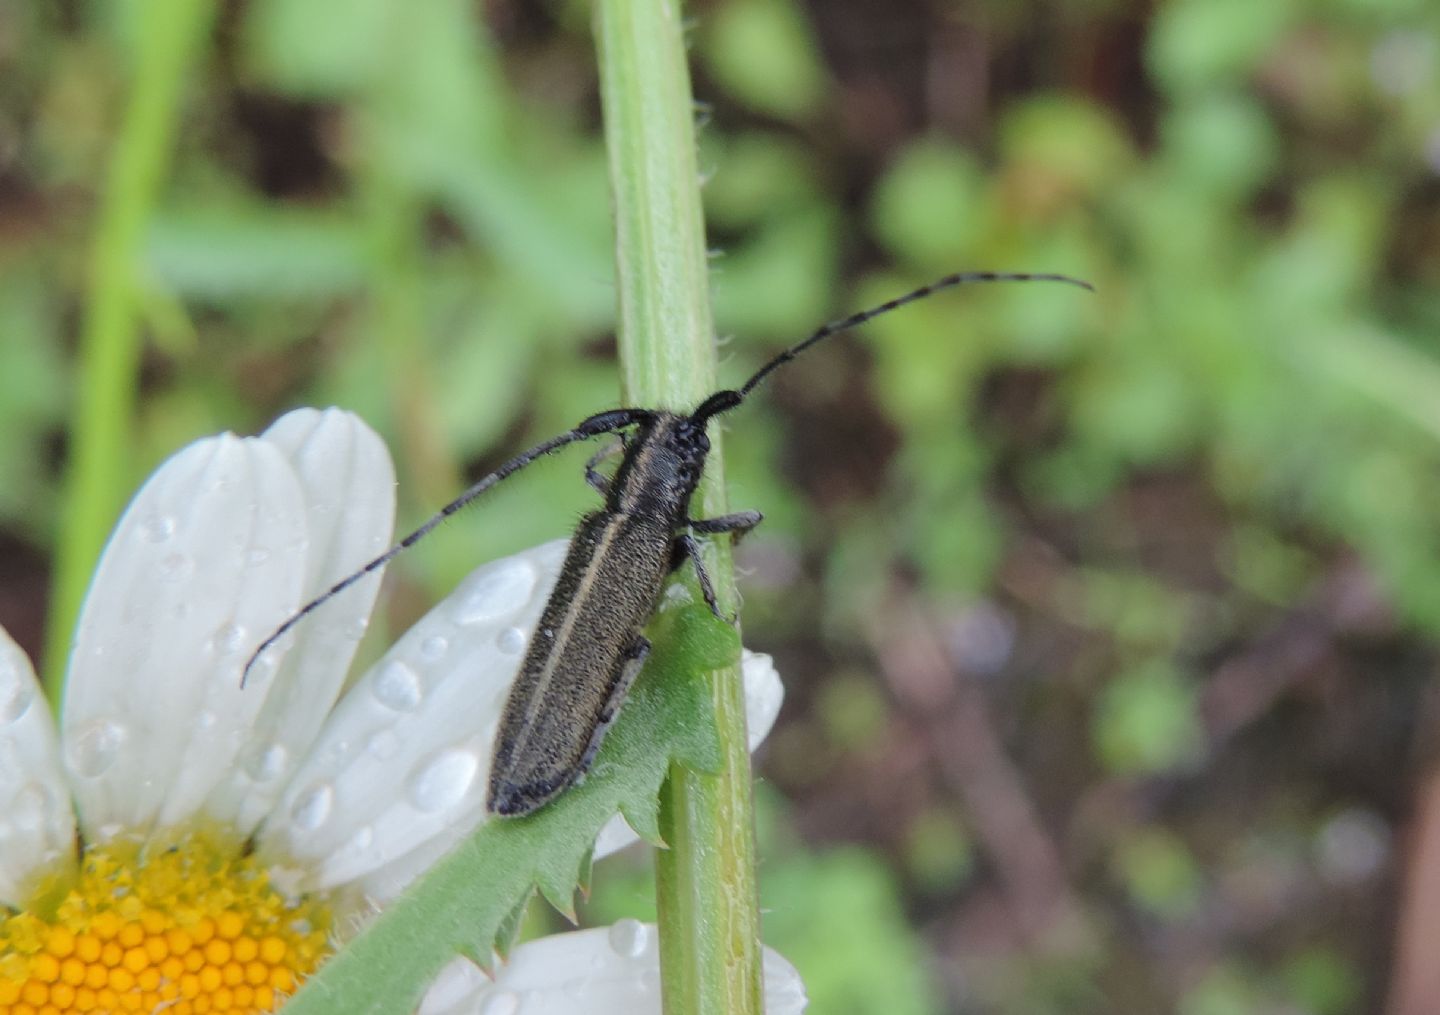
(191, 929)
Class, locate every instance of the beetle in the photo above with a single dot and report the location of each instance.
(589, 646)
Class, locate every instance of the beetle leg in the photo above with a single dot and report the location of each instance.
(686, 546)
(739, 523)
(595, 479)
(633, 659)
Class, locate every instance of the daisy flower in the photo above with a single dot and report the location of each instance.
(183, 845)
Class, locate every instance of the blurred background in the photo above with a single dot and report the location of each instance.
(1108, 623)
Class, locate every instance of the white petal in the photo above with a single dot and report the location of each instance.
(37, 826)
(399, 774)
(763, 696)
(599, 971)
(405, 758)
(211, 550)
(349, 488)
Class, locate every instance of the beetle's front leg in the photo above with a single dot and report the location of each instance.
(740, 522)
(610, 450)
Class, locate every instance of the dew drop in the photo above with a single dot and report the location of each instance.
(433, 648)
(176, 567)
(629, 938)
(398, 687)
(30, 809)
(383, 745)
(312, 808)
(264, 763)
(356, 629)
(206, 719)
(361, 840)
(494, 591)
(16, 693)
(442, 780)
(157, 528)
(256, 555)
(502, 1002)
(228, 638)
(92, 747)
(262, 669)
(511, 641)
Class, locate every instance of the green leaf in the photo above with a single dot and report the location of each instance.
(1223, 142)
(1058, 141)
(930, 205)
(253, 250)
(1160, 873)
(316, 49)
(1147, 721)
(1196, 44)
(470, 902)
(509, 931)
(763, 52)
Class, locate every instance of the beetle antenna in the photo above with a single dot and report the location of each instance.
(855, 320)
(604, 422)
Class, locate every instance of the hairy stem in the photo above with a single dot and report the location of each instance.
(705, 882)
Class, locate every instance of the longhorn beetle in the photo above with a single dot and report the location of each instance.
(588, 645)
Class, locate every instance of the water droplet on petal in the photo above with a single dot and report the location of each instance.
(433, 648)
(16, 693)
(361, 840)
(228, 638)
(31, 808)
(493, 592)
(157, 528)
(262, 669)
(383, 745)
(511, 641)
(442, 780)
(256, 555)
(356, 629)
(176, 567)
(92, 747)
(312, 808)
(264, 763)
(206, 719)
(397, 686)
(629, 938)
(502, 1002)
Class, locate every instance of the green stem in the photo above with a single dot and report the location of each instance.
(100, 467)
(705, 882)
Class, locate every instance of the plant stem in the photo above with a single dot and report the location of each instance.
(98, 474)
(705, 882)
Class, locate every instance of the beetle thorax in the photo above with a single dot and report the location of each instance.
(661, 468)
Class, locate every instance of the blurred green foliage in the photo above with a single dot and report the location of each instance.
(402, 209)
